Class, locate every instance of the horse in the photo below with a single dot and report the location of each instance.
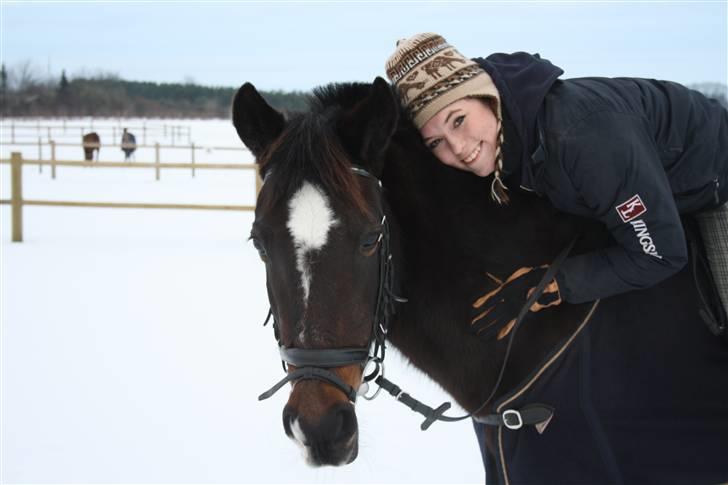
(128, 144)
(91, 143)
(368, 240)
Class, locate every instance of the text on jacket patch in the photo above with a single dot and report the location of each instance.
(631, 208)
(648, 246)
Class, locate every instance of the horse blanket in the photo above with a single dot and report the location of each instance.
(640, 396)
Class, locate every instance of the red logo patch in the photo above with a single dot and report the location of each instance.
(631, 208)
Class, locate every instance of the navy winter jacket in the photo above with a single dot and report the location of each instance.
(633, 153)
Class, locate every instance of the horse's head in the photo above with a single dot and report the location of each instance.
(321, 230)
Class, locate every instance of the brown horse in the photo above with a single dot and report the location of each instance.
(627, 390)
(91, 143)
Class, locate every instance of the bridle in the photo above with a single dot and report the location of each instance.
(316, 363)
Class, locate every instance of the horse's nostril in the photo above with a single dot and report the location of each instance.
(340, 423)
(348, 418)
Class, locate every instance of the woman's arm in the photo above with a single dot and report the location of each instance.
(613, 164)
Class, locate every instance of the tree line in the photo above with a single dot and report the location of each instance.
(24, 93)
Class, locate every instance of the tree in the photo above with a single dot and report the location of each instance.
(26, 76)
(63, 86)
(4, 110)
(63, 95)
(3, 80)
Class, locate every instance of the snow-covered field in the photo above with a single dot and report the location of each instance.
(132, 340)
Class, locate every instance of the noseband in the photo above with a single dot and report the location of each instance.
(316, 363)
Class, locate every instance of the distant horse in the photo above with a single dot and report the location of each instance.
(632, 389)
(91, 144)
(128, 144)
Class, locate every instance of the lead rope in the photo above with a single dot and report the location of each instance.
(436, 414)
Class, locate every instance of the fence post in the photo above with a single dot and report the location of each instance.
(49, 132)
(144, 134)
(156, 158)
(16, 197)
(12, 132)
(53, 159)
(192, 147)
(40, 154)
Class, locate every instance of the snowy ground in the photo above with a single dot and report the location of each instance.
(132, 345)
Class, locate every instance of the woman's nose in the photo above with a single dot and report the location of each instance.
(456, 145)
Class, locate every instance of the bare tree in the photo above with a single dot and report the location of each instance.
(24, 76)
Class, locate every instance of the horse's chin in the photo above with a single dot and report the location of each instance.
(331, 439)
(335, 454)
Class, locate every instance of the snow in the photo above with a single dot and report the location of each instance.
(132, 340)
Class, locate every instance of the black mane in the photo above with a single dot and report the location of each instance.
(342, 95)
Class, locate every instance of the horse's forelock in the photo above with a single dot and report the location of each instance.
(309, 150)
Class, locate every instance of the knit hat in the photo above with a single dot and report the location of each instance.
(430, 74)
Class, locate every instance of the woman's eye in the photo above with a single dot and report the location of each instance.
(433, 144)
(458, 121)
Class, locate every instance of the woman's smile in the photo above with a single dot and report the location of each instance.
(473, 155)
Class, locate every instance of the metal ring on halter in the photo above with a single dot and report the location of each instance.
(372, 375)
(379, 388)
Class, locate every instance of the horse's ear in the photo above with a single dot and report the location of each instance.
(367, 129)
(257, 123)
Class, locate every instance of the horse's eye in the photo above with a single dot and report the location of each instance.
(370, 242)
(261, 250)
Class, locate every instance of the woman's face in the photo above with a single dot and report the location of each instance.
(463, 135)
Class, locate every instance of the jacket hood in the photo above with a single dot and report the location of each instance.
(522, 81)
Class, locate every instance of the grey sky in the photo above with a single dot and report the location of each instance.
(298, 45)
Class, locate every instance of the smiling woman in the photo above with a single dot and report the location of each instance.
(635, 154)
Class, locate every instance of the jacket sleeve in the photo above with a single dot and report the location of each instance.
(614, 167)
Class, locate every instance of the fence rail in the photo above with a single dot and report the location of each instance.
(191, 146)
(166, 130)
(17, 202)
(157, 158)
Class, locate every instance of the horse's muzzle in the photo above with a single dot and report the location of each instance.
(331, 439)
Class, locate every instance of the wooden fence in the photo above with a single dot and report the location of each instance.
(51, 144)
(171, 131)
(17, 202)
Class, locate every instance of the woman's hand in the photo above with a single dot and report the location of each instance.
(498, 309)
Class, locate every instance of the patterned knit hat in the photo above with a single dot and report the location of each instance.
(430, 74)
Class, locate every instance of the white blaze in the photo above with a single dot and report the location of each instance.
(309, 220)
